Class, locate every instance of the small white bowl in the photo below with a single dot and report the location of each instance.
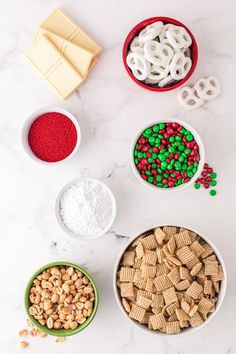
(63, 226)
(185, 331)
(33, 116)
(201, 152)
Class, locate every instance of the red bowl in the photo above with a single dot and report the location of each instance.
(138, 28)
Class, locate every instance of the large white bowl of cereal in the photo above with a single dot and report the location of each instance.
(170, 280)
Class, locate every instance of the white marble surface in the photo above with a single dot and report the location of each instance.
(110, 109)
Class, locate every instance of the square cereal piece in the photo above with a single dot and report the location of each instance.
(128, 258)
(171, 308)
(150, 257)
(173, 318)
(184, 273)
(210, 258)
(208, 250)
(148, 271)
(192, 235)
(171, 245)
(157, 310)
(183, 285)
(195, 320)
(211, 268)
(162, 282)
(149, 242)
(216, 285)
(207, 287)
(193, 310)
(204, 306)
(144, 293)
(137, 276)
(179, 295)
(137, 262)
(201, 273)
(184, 324)
(137, 240)
(127, 274)
(149, 284)
(157, 300)
(194, 290)
(160, 235)
(220, 276)
(172, 327)
(162, 269)
(139, 250)
(137, 313)
(127, 289)
(170, 296)
(182, 239)
(181, 315)
(160, 256)
(193, 262)
(174, 276)
(185, 306)
(141, 284)
(126, 305)
(197, 248)
(145, 320)
(196, 268)
(143, 302)
(158, 321)
(169, 231)
(184, 254)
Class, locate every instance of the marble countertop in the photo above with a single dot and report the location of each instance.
(111, 109)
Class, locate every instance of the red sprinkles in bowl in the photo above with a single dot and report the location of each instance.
(166, 155)
(52, 137)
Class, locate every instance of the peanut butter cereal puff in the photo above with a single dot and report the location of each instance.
(169, 279)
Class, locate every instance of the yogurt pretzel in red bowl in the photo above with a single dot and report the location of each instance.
(160, 54)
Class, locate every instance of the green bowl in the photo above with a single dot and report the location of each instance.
(61, 332)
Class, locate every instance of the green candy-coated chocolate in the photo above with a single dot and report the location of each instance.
(136, 161)
(169, 167)
(189, 137)
(178, 165)
(159, 178)
(148, 173)
(165, 175)
(160, 170)
(171, 149)
(154, 165)
(154, 155)
(161, 157)
(181, 159)
(159, 184)
(197, 185)
(150, 179)
(194, 170)
(177, 143)
(148, 131)
(213, 183)
(184, 167)
(150, 160)
(213, 192)
(156, 128)
(190, 174)
(163, 165)
(213, 175)
(181, 147)
(162, 125)
(171, 139)
(140, 154)
(151, 140)
(178, 138)
(135, 152)
(187, 151)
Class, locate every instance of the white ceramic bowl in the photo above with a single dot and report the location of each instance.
(33, 116)
(201, 151)
(63, 226)
(186, 330)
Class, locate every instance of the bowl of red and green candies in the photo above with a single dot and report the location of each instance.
(168, 155)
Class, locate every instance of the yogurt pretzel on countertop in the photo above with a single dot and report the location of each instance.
(208, 88)
(188, 98)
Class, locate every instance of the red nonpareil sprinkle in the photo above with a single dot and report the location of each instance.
(52, 137)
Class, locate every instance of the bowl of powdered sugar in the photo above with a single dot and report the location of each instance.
(85, 208)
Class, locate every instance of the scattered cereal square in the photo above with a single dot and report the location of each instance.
(194, 290)
(150, 257)
(211, 268)
(182, 239)
(128, 258)
(127, 274)
(172, 327)
(137, 312)
(148, 271)
(127, 289)
(144, 302)
(162, 282)
(157, 321)
(184, 254)
(149, 242)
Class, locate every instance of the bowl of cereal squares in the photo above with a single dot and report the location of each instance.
(61, 299)
(170, 280)
(160, 54)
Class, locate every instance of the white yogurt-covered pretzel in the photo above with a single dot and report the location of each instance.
(157, 72)
(162, 35)
(139, 65)
(166, 81)
(208, 88)
(178, 37)
(136, 45)
(158, 53)
(151, 31)
(180, 66)
(189, 99)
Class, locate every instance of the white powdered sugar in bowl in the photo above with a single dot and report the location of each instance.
(86, 208)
